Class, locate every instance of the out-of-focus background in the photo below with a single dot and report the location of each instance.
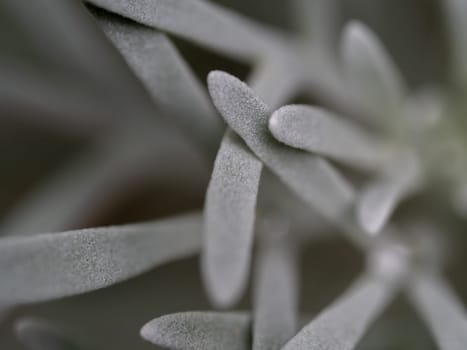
(34, 145)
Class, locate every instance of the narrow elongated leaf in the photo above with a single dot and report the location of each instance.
(51, 21)
(126, 158)
(54, 265)
(372, 74)
(285, 68)
(380, 198)
(318, 20)
(276, 290)
(424, 110)
(310, 177)
(229, 220)
(37, 334)
(459, 199)
(341, 325)
(297, 69)
(231, 201)
(442, 311)
(376, 204)
(89, 71)
(166, 75)
(200, 330)
(303, 220)
(204, 23)
(74, 108)
(317, 130)
(455, 12)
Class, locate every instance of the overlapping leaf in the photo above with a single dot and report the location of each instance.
(310, 177)
(166, 75)
(204, 23)
(318, 131)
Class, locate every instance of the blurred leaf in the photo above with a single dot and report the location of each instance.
(441, 310)
(37, 334)
(341, 325)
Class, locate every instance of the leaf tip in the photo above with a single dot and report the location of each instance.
(147, 331)
(354, 36)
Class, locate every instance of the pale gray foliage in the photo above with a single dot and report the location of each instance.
(38, 334)
(284, 67)
(341, 325)
(54, 265)
(51, 21)
(230, 199)
(276, 286)
(317, 20)
(70, 109)
(373, 77)
(142, 144)
(165, 74)
(199, 21)
(455, 11)
(200, 331)
(312, 178)
(229, 216)
(79, 189)
(317, 130)
(98, 73)
(380, 197)
(302, 220)
(441, 309)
